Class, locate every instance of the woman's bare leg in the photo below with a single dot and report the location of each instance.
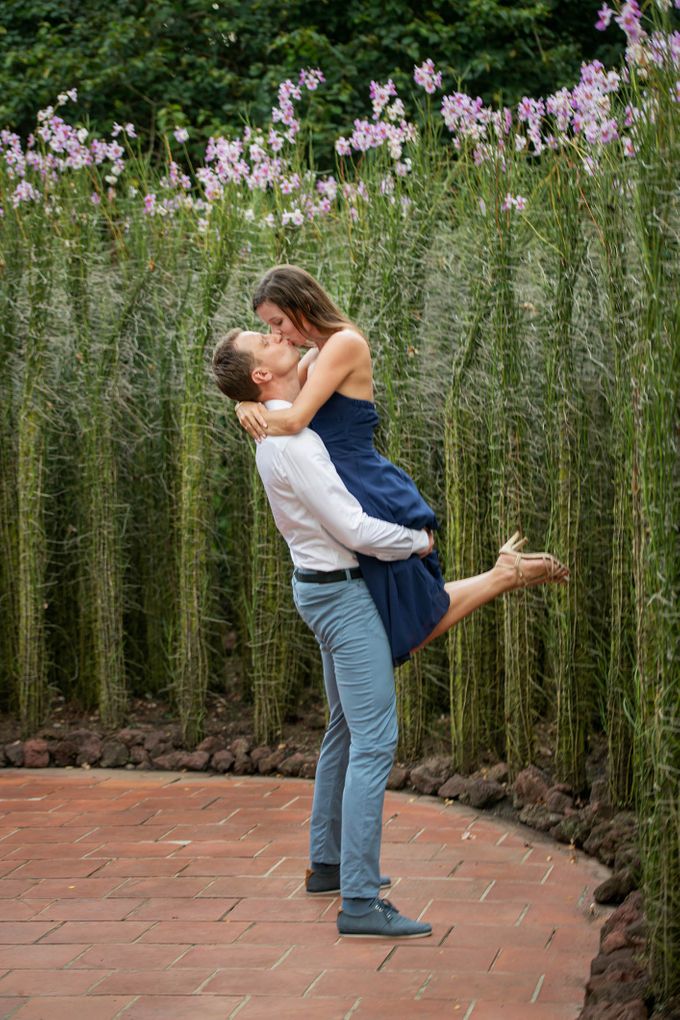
(470, 593)
(465, 596)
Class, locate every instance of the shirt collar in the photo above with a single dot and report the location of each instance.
(277, 405)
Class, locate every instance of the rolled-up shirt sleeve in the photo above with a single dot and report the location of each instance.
(316, 483)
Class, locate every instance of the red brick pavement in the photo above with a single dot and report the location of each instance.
(131, 895)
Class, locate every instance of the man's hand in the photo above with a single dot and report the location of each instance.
(430, 547)
(251, 418)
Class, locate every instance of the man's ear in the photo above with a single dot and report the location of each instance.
(260, 375)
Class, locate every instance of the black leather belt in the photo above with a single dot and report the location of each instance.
(327, 576)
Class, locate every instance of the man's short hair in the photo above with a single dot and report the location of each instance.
(232, 368)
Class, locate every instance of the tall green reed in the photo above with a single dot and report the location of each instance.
(565, 473)
(508, 458)
(10, 287)
(656, 510)
(98, 323)
(206, 283)
(611, 214)
(471, 662)
(31, 667)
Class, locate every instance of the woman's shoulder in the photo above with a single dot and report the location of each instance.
(349, 340)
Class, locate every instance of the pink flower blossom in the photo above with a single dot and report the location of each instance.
(381, 95)
(605, 16)
(427, 77)
(150, 204)
(181, 135)
(311, 78)
(24, 192)
(629, 20)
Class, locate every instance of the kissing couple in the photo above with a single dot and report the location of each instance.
(366, 576)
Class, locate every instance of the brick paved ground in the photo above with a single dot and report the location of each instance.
(165, 896)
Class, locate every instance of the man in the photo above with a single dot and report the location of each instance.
(323, 525)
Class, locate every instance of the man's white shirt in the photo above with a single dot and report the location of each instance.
(319, 518)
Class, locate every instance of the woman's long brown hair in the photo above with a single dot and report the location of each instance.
(298, 294)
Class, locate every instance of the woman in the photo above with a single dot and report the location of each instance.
(336, 400)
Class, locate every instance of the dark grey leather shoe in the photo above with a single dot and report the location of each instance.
(329, 884)
(383, 920)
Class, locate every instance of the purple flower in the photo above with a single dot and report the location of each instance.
(181, 135)
(342, 147)
(629, 20)
(311, 78)
(427, 77)
(24, 192)
(150, 204)
(380, 96)
(605, 16)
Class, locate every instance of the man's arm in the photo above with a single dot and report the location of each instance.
(312, 476)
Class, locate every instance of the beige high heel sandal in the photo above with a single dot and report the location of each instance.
(553, 569)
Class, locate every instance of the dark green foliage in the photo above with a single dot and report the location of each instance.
(212, 63)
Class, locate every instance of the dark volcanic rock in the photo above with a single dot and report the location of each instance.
(530, 787)
(291, 766)
(222, 761)
(14, 753)
(211, 745)
(308, 770)
(633, 1010)
(538, 816)
(36, 754)
(615, 888)
(630, 912)
(157, 742)
(558, 801)
(618, 986)
(499, 772)
(140, 756)
(130, 736)
(481, 793)
(397, 778)
(453, 787)
(114, 753)
(258, 753)
(89, 746)
(243, 765)
(618, 983)
(610, 834)
(271, 763)
(599, 792)
(64, 752)
(239, 747)
(575, 828)
(194, 761)
(169, 761)
(430, 775)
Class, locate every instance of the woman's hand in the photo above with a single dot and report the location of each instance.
(251, 418)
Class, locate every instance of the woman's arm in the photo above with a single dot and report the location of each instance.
(340, 356)
(304, 364)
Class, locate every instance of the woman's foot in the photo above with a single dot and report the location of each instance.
(525, 570)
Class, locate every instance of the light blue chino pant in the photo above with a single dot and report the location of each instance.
(359, 744)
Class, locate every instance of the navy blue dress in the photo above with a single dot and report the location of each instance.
(409, 594)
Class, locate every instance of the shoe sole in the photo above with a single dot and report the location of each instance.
(376, 935)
